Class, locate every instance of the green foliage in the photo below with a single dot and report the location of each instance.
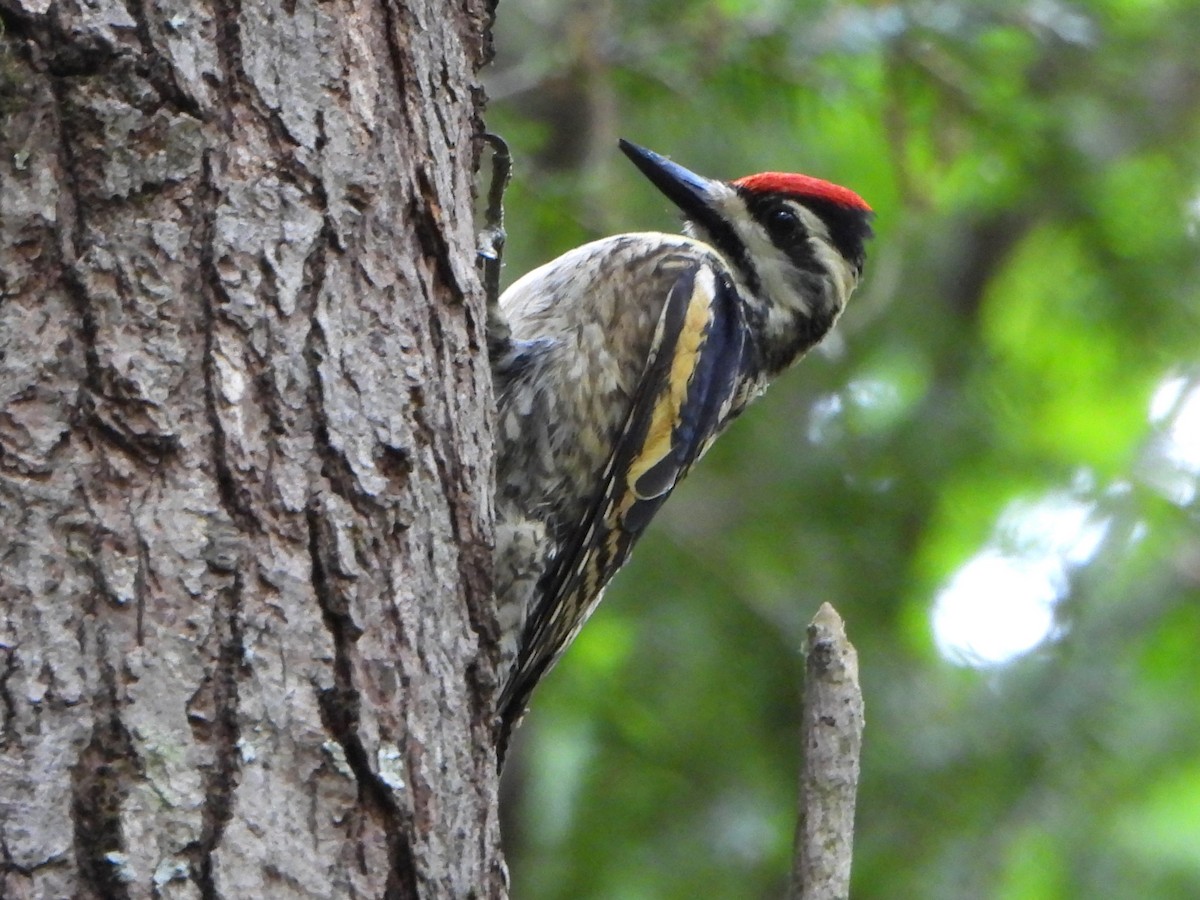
(1011, 384)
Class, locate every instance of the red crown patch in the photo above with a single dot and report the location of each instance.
(804, 186)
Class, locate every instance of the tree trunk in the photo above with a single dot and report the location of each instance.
(245, 450)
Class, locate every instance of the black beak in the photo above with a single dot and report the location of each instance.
(692, 193)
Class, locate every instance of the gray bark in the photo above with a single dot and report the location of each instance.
(831, 735)
(246, 633)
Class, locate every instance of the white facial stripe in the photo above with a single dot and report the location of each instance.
(728, 201)
(840, 271)
(822, 246)
(773, 267)
(813, 223)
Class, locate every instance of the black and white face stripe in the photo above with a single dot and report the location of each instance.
(794, 243)
(842, 229)
(716, 223)
(791, 252)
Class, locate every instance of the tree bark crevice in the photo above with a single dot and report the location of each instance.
(340, 707)
(224, 733)
(100, 783)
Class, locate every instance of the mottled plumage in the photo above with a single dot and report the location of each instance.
(627, 357)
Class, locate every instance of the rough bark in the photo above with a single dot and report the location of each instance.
(244, 452)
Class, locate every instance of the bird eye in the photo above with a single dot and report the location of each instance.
(783, 221)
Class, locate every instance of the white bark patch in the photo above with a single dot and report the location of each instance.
(389, 763)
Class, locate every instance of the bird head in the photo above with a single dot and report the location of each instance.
(794, 245)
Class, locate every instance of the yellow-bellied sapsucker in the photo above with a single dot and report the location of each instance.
(622, 362)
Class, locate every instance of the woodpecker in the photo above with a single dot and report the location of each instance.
(618, 364)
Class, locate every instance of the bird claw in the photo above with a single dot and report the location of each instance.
(491, 243)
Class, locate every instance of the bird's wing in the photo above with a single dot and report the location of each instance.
(687, 393)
